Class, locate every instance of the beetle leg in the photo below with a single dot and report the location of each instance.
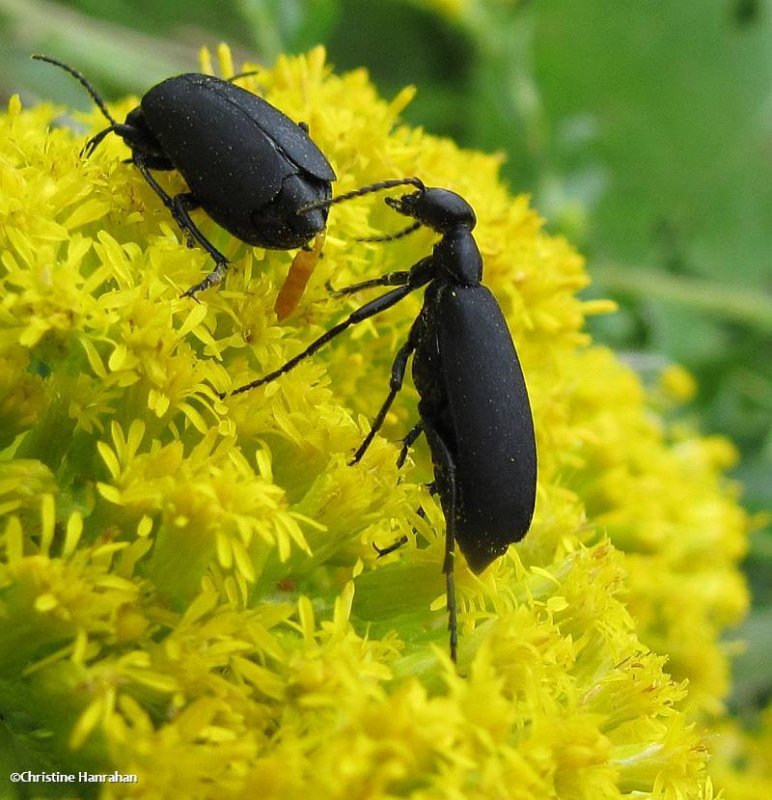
(407, 442)
(421, 512)
(384, 551)
(446, 468)
(400, 278)
(180, 205)
(365, 312)
(395, 384)
(212, 279)
(183, 203)
(419, 274)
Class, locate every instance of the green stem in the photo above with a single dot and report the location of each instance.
(749, 308)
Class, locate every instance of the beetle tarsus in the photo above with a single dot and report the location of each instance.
(384, 551)
(212, 279)
(407, 443)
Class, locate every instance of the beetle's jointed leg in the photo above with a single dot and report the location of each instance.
(180, 206)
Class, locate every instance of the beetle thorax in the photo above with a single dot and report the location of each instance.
(457, 255)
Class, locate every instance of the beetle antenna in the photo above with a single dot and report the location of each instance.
(390, 237)
(373, 187)
(92, 143)
(245, 74)
(83, 82)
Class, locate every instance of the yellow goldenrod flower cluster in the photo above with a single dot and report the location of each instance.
(188, 587)
(740, 759)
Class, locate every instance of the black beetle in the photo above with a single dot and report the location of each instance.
(247, 165)
(474, 406)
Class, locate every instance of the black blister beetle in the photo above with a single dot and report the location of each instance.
(474, 407)
(247, 165)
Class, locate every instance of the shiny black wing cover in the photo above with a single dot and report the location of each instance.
(485, 421)
(232, 147)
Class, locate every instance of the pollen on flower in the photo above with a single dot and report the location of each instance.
(188, 588)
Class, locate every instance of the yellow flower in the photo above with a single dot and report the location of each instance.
(677, 384)
(741, 761)
(188, 588)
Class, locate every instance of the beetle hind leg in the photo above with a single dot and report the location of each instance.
(445, 485)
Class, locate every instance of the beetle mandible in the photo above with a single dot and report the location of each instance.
(247, 165)
(474, 407)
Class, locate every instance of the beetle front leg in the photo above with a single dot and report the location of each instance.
(419, 274)
(399, 278)
(180, 206)
(360, 315)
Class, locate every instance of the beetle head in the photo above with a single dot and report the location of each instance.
(137, 136)
(438, 209)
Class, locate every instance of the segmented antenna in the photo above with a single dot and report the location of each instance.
(373, 187)
(83, 82)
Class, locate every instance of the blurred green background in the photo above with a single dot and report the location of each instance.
(643, 131)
